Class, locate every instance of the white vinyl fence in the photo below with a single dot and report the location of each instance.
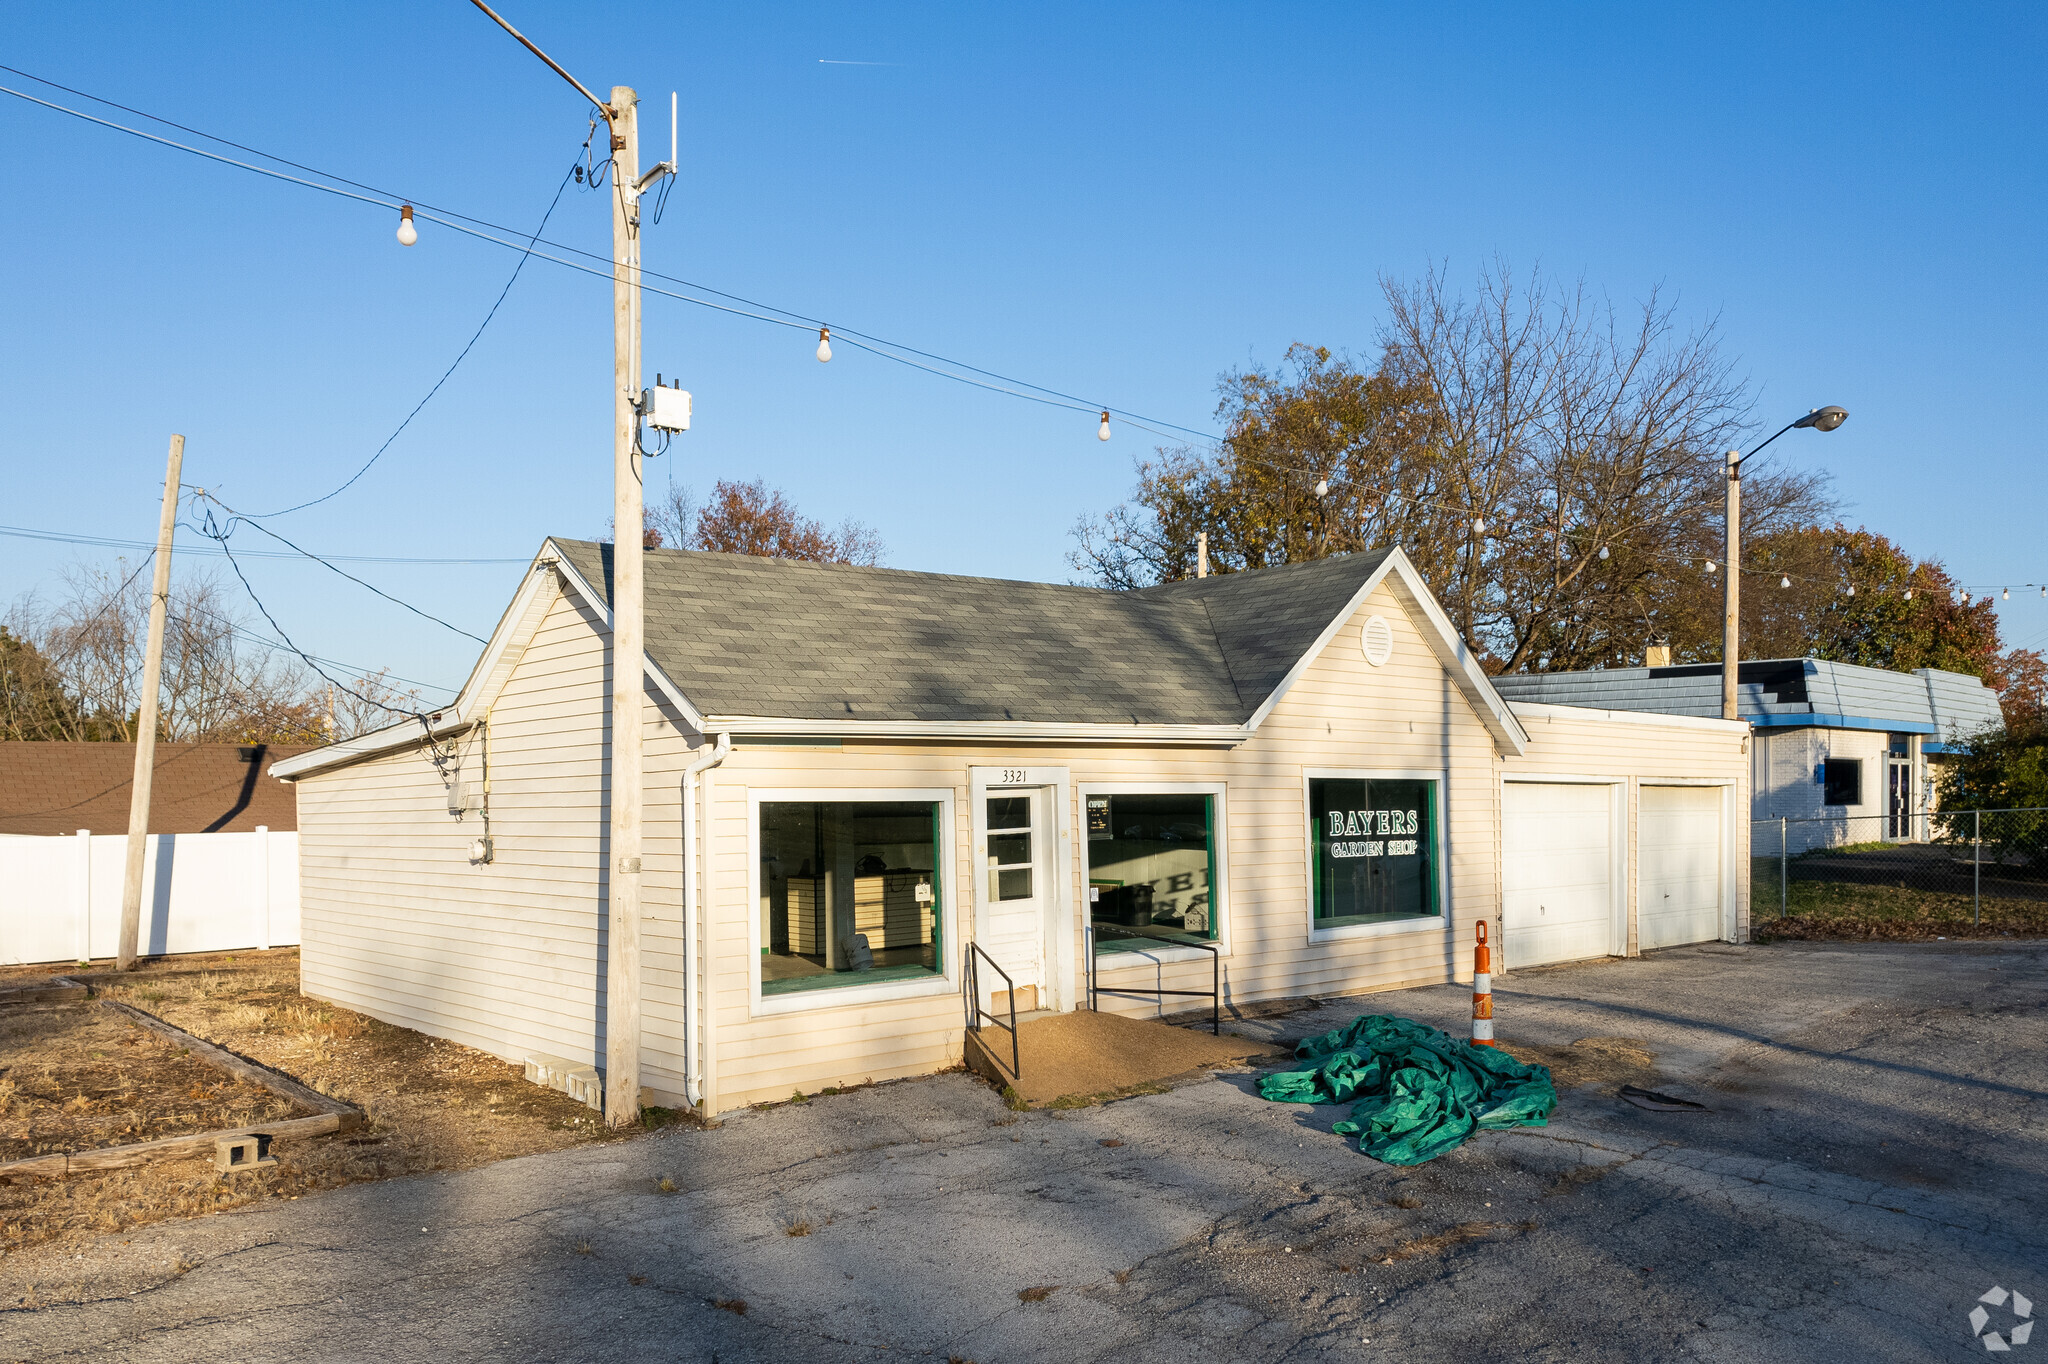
(60, 898)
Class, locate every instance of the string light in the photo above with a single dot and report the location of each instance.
(1603, 551)
(1784, 582)
(2006, 595)
(1479, 525)
(1322, 487)
(1102, 431)
(407, 233)
(824, 345)
(1909, 594)
(1710, 565)
(1852, 589)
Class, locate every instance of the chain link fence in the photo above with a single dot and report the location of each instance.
(1949, 873)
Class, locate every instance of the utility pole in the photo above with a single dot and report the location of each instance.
(622, 958)
(629, 633)
(145, 737)
(1731, 591)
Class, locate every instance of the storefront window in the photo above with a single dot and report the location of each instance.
(1375, 850)
(1151, 869)
(850, 893)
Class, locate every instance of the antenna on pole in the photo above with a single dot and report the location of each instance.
(672, 132)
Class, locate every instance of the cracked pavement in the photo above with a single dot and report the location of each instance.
(1876, 1157)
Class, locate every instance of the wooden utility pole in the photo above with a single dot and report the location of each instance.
(1731, 602)
(145, 735)
(629, 636)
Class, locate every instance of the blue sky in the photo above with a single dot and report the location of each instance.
(1116, 201)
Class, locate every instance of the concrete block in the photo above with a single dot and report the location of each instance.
(579, 1082)
(242, 1151)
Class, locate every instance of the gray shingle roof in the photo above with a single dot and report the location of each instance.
(742, 635)
(1777, 692)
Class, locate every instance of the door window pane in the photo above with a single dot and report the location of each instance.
(1009, 850)
(850, 893)
(1375, 850)
(1009, 812)
(1151, 864)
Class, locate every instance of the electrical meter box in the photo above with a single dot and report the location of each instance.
(666, 409)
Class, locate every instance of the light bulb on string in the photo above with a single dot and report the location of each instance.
(1102, 431)
(824, 345)
(1710, 565)
(1603, 551)
(407, 233)
(1784, 582)
(1479, 525)
(1322, 487)
(1909, 594)
(2006, 595)
(1852, 589)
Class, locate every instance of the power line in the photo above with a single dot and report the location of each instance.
(218, 533)
(446, 374)
(108, 542)
(310, 662)
(788, 318)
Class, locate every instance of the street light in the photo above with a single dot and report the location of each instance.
(1820, 419)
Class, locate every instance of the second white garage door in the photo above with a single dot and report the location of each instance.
(1558, 848)
(1679, 844)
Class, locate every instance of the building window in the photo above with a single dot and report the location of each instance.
(850, 893)
(1843, 780)
(1151, 869)
(1375, 843)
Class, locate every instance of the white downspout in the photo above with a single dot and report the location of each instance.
(693, 936)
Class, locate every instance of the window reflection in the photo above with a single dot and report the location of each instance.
(850, 893)
(1151, 869)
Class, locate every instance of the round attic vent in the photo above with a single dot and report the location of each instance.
(1377, 640)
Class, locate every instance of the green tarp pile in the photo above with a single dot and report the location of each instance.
(1418, 1092)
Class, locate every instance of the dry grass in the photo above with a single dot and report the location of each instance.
(75, 1076)
(1038, 1294)
(1824, 910)
(429, 1104)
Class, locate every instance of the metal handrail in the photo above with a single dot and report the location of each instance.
(971, 984)
(1214, 992)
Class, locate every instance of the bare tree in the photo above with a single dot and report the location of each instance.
(80, 661)
(1552, 465)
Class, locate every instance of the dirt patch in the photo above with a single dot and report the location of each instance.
(1451, 1237)
(429, 1104)
(77, 1076)
(1590, 1060)
(1073, 1059)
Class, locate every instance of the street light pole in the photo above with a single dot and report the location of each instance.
(1820, 419)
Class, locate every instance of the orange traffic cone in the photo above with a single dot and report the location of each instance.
(1482, 991)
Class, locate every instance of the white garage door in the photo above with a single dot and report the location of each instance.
(1558, 848)
(1679, 833)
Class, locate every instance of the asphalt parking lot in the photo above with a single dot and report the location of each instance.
(1873, 1159)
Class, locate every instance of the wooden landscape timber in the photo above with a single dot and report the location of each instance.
(331, 1115)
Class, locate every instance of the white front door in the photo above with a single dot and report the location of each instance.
(1679, 847)
(1557, 847)
(1017, 888)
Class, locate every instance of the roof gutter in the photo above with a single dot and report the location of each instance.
(695, 1048)
(1024, 730)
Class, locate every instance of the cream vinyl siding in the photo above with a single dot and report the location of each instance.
(509, 957)
(1659, 750)
(1341, 712)
(506, 957)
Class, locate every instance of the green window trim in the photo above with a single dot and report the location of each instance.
(1430, 899)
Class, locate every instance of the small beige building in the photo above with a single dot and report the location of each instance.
(1296, 781)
